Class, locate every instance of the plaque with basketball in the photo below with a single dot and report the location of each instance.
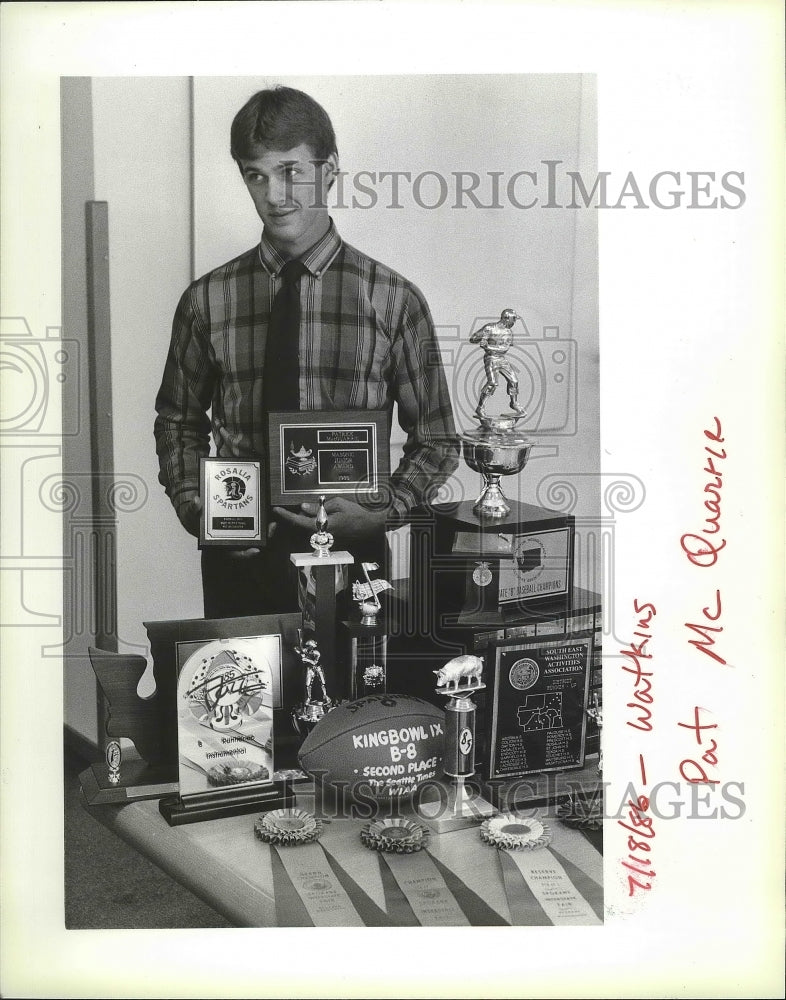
(232, 503)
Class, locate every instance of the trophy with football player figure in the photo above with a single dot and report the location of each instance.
(496, 449)
(478, 564)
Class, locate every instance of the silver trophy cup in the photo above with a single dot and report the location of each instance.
(496, 449)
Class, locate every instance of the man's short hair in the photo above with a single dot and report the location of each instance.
(281, 118)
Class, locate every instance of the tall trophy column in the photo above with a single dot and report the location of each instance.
(318, 591)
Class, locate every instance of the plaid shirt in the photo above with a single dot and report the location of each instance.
(366, 341)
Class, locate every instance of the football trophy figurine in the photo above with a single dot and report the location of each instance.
(496, 339)
(308, 713)
(496, 448)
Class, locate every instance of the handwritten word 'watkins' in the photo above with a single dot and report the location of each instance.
(702, 547)
(634, 653)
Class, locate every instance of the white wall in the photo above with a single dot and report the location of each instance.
(142, 169)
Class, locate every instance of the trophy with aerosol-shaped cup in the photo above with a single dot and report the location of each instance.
(496, 448)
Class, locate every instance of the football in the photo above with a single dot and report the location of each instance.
(383, 746)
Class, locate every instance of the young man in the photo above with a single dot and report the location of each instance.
(363, 338)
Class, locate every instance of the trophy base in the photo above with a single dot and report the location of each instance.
(458, 808)
(217, 804)
(503, 423)
(138, 780)
(309, 713)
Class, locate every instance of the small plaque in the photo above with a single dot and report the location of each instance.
(540, 566)
(343, 452)
(113, 756)
(538, 720)
(232, 503)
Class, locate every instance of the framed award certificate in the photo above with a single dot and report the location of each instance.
(233, 507)
(341, 452)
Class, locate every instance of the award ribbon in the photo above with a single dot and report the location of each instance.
(478, 911)
(525, 910)
(461, 853)
(552, 888)
(371, 914)
(425, 890)
(340, 841)
(323, 896)
(571, 844)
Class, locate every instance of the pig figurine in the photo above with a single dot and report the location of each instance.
(466, 668)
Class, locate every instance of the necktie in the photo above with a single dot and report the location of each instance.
(283, 335)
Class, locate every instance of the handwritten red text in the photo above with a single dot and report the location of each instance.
(707, 633)
(640, 835)
(635, 652)
(690, 769)
(702, 547)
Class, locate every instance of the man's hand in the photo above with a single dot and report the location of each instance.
(348, 522)
(189, 514)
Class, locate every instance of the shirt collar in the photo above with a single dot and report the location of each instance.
(316, 259)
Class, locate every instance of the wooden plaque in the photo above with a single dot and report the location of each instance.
(233, 507)
(336, 453)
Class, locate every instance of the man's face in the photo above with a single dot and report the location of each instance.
(289, 191)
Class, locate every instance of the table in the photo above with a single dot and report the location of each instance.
(457, 879)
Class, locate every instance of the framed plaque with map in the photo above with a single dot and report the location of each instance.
(338, 452)
(536, 719)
